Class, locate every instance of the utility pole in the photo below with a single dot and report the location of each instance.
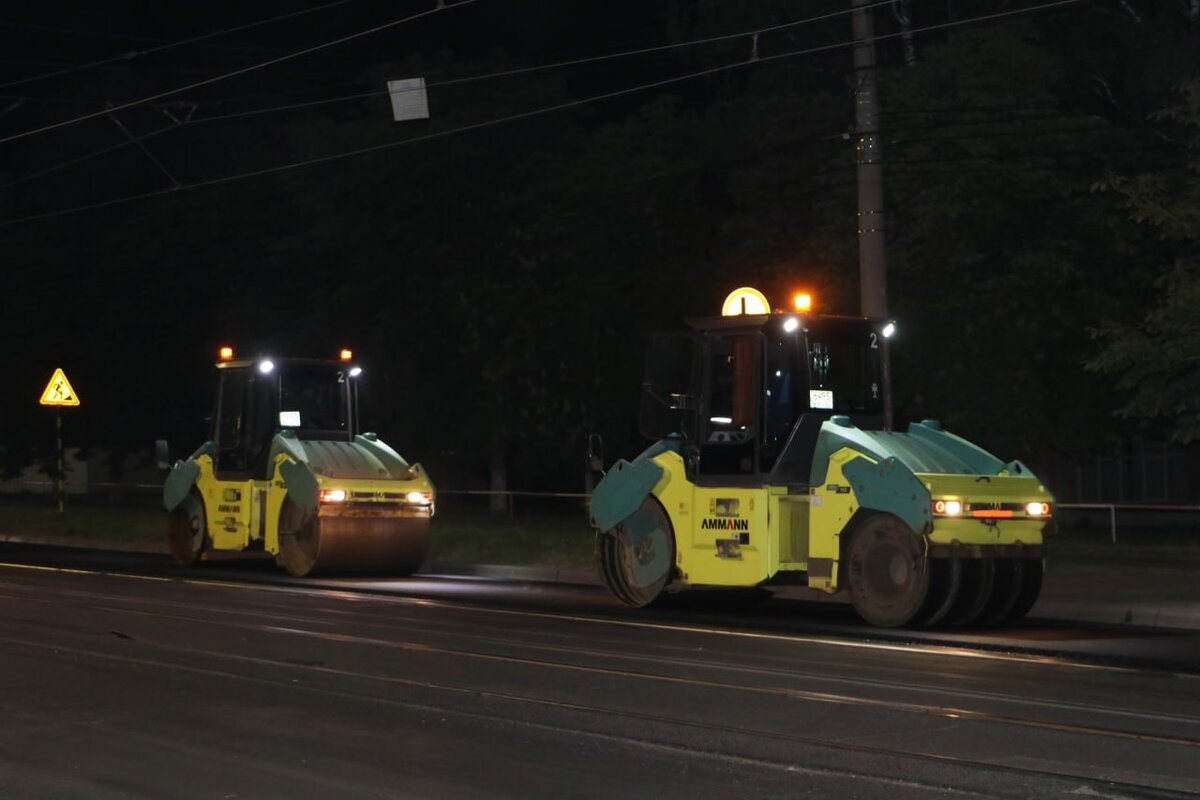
(872, 258)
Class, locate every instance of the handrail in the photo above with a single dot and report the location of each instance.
(1112, 510)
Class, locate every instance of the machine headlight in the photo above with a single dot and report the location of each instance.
(419, 498)
(333, 495)
(951, 508)
(1037, 509)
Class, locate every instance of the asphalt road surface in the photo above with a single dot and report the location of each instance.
(124, 677)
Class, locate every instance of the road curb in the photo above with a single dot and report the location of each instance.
(1183, 616)
(80, 543)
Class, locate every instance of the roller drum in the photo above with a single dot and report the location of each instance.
(344, 544)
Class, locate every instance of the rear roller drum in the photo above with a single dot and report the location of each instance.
(1006, 591)
(186, 530)
(978, 575)
(1031, 571)
(636, 557)
(886, 571)
(945, 578)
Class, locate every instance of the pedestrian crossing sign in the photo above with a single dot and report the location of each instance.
(59, 392)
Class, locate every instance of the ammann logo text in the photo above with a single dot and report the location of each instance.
(725, 525)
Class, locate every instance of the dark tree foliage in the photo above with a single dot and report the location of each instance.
(1156, 359)
(498, 282)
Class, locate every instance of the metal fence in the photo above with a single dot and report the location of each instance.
(1111, 510)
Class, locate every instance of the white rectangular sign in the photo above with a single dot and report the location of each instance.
(820, 398)
(409, 100)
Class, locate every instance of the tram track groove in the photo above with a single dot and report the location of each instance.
(943, 712)
(949, 712)
(956, 650)
(793, 674)
(972, 764)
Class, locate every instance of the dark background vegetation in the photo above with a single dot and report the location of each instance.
(498, 283)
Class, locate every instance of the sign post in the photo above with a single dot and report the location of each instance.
(59, 393)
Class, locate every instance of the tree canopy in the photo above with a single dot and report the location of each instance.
(499, 265)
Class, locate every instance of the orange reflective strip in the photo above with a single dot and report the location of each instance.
(992, 514)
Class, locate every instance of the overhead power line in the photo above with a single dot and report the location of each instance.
(253, 67)
(130, 55)
(280, 168)
(447, 82)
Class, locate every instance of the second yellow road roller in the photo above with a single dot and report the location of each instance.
(287, 472)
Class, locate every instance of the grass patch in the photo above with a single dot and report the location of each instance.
(135, 519)
(465, 535)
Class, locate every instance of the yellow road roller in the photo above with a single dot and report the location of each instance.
(286, 472)
(773, 465)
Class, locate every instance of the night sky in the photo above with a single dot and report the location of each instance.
(499, 278)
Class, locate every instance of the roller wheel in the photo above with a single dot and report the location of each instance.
(973, 595)
(886, 571)
(1006, 591)
(1032, 571)
(186, 531)
(298, 543)
(636, 557)
(945, 578)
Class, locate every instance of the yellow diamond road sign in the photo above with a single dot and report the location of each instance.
(59, 392)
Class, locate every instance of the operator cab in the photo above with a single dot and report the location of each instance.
(747, 393)
(258, 398)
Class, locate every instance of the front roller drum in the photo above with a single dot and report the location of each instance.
(355, 545)
(636, 557)
(887, 572)
(187, 531)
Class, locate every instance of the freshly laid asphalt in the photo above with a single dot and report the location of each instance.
(1123, 588)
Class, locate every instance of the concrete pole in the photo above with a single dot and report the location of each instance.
(872, 261)
(872, 257)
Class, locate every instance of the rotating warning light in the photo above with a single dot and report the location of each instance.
(802, 301)
(346, 354)
(743, 301)
(226, 354)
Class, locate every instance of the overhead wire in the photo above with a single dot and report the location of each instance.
(281, 168)
(158, 40)
(241, 71)
(129, 56)
(441, 83)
